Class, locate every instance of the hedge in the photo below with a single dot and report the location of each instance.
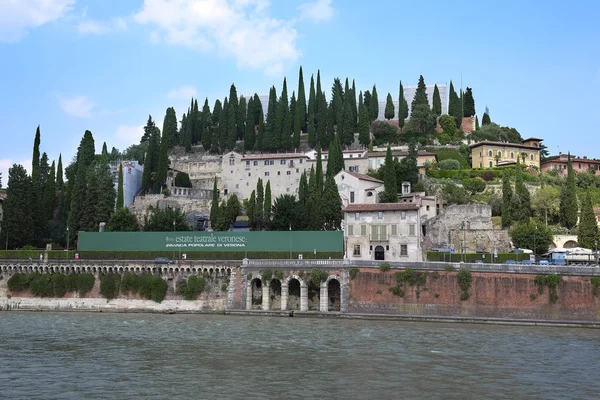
(478, 173)
(472, 257)
(151, 255)
(51, 285)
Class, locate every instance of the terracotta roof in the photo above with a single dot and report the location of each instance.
(558, 159)
(381, 207)
(530, 139)
(503, 144)
(363, 177)
(274, 156)
(403, 153)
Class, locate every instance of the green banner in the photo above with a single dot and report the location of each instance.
(329, 241)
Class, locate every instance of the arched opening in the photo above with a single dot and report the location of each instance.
(379, 253)
(275, 294)
(314, 297)
(334, 293)
(293, 302)
(257, 297)
(569, 244)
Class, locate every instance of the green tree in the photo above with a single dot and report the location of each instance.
(449, 133)
(507, 195)
(166, 220)
(331, 206)
(390, 193)
(546, 202)
(207, 126)
(532, 236)
(474, 185)
(260, 201)
(223, 222)
(389, 107)
(232, 119)
(349, 122)
(367, 100)
(233, 208)
(524, 213)
(422, 120)
(587, 231)
(241, 118)
(17, 225)
(351, 100)
(267, 206)
(78, 189)
(477, 123)
(250, 134)
(384, 133)
(59, 173)
(485, 120)
(408, 169)
(168, 138)
(319, 173)
(214, 205)
(453, 194)
(182, 179)
(300, 114)
(35, 197)
(311, 115)
(420, 98)
(120, 199)
(568, 198)
(296, 121)
(122, 220)
(364, 136)
(402, 107)
(285, 213)
(49, 200)
(437, 101)
(455, 106)
(152, 157)
(374, 105)
(469, 103)
(136, 152)
(314, 220)
(335, 160)
(251, 211)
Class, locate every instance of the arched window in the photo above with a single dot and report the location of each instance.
(490, 153)
(512, 154)
(499, 154)
(532, 157)
(491, 165)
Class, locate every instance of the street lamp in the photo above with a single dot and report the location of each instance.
(173, 233)
(290, 241)
(534, 249)
(596, 246)
(68, 242)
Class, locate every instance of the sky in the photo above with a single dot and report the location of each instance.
(104, 66)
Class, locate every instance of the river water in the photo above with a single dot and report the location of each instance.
(153, 356)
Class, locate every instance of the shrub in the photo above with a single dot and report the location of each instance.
(449, 164)
(385, 267)
(378, 292)
(109, 285)
(18, 282)
(278, 274)
(129, 283)
(267, 275)
(552, 282)
(85, 283)
(41, 285)
(397, 291)
(353, 272)
(249, 276)
(596, 285)
(194, 286)
(411, 277)
(317, 276)
(224, 287)
(464, 281)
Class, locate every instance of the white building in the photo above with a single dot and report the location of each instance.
(355, 188)
(382, 231)
(132, 179)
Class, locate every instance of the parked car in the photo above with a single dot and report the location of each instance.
(163, 260)
(543, 262)
(526, 262)
(510, 262)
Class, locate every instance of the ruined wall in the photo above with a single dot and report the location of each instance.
(471, 222)
(491, 295)
(186, 204)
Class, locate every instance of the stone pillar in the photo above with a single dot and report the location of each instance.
(303, 298)
(249, 295)
(344, 291)
(266, 299)
(284, 295)
(323, 301)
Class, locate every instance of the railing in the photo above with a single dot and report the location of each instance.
(379, 238)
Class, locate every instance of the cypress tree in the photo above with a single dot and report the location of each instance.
(437, 101)
(390, 192)
(44, 170)
(312, 133)
(420, 95)
(259, 114)
(348, 125)
(297, 120)
(410, 170)
(335, 160)
(507, 195)
(402, 107)
(374, 104)
(169, 133)
(331, 206)
(168, 136)
(360, 102)
(367, 103)
(325, 139)
(250, 134)
(312, 108)
(270, 141)
(587, 231)
(469, 103)
(485, 120)
(214, 205)
(120, 199)
(318, 94)
(364, 136)
(50, 194)
(194, 123)
(260, 200)
(241, 118)
(322, 120)
(104, 150)
(232, 130)
(389, 107)
(251, 211)
(151, 160)
(216, 114)
(18, 221)
(206, 126)
(314, 220)
(224, 126)
(267, 206)
(319, 174)
(351, 97)
(261, 137)
(476, 123)
(105, 204)
(568, 198)
(282, 121)
(337, 101)
(454, 106)
(522, 214)
(85, 158)
(36, 191)
(300, 105)
(59, 173)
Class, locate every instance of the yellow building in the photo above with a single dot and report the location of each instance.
(489, 154)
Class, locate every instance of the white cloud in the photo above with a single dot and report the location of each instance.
(316, 11)
(18, 16)
(92, 27)
(241, 29)
(183, 93)
(7, 163)
(78, 106)
(126, 135)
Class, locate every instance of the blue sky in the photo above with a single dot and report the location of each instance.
(72, 65)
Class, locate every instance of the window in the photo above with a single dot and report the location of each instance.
(512, 154)
(532, 157)
(490, 154)
(247, 163)
(350, 155)
(491, 164)
(378, 162)
(278, 173)
(225, 192)
(351, 197)
(394, 230)
(403, 250)
(232, 161)
(255, 163)
(357, 216)
(383, 231)
(300, 161)
(356, 252)
(271, 162)
(579, 165)
(297, 170)
(350, 230)
(288, 172)
(353, 168)
(247, 183)
(403, 215)
(427, 208)
(287, 189)
(282, 162)
(267, 173)
(480, 165)
(380, 215)
(411, 230)
(266, 162)
(480, 155)
(249, 173)
(325, 156)
(363, 230)
(499, 154)
(237, 185)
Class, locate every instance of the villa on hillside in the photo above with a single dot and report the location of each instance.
(424, 158)
(489, 154)
(579, 164)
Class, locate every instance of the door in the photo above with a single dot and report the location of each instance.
(379, 253)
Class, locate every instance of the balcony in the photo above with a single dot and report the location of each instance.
(379, 238)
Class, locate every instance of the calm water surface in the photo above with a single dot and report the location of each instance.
(147, 356)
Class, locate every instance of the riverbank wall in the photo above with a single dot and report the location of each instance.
(440, 291)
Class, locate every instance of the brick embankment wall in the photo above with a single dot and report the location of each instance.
(491, 295)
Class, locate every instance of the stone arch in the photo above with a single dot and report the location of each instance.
(255, 293)
(569, 244)
(294, 294)
(275, 294)
(333, 296)
(228, 271)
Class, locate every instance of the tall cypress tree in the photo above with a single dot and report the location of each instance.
(322, 120)
(390, 192)
(36, 191)
(241, 118)
(297, 120)
(261, 137)
(283, 139)
(315, 219)
(485, 120)
(232, 118)
(420, 95)
(267, 206)
(335, 159)
(59, 173)
(214, 206)
(251, 211)
(367, 102)
(348, 125)
(170, 128)
(269, 141)
(18, 221)
(524, 212)
(331, 206)
(319, 173)
(587, 231)
(120, 199)
(168, 136)
(402, 107)
(300, 105)
(259, 210)
(50, 194)
(351, 97)
(568, 198)
(318, 94)
(151, 159)
(374, 104)
(454, 106)
(476, 123)
(507, 195)
(389, 107)
(206, 126)
(469, 103)
(85, 158)
(105, 204)
(330, 128)
(437, 101)
(250, 134)
(364, 136)
(311, 112)
(104, 150)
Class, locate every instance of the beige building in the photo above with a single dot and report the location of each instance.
(355, 188)
(579, 164)
(429, 206)
(382, 231)
(488, 154)
(424, 158)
